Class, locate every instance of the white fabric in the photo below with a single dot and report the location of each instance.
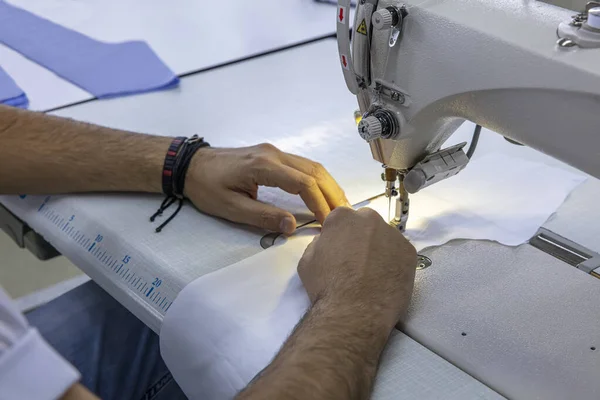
(497, 197)
(226, 326)
(29, 368)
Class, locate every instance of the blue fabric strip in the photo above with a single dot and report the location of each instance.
(103, 69)
(10, 93)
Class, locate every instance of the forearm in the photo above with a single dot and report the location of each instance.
(45, 154)
(332, 354)
(78, 392)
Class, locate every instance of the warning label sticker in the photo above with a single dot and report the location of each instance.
(362, 28)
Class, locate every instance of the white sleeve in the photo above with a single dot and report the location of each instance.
(29, 367)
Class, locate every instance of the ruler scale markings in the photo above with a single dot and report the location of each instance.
(144, 283)
(169, 306)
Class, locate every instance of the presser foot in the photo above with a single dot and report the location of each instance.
(399, 196)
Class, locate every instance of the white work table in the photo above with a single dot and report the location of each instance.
(297, 100)
(188, 35)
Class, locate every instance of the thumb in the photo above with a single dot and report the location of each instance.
(265, 216)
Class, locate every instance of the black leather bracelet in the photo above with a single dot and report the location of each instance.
(177, 163)
(170, 158)
(182, 163)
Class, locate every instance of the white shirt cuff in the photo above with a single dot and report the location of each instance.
(31, 369)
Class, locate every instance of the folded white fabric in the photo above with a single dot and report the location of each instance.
(226, 326)
(497, 197)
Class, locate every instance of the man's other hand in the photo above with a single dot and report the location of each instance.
(224, 182)
(359, 261)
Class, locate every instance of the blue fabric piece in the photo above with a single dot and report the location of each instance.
(10, 93)
(103, 69)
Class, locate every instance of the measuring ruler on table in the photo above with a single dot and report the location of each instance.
(121, 264)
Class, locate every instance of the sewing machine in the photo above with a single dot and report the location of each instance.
(515, 67)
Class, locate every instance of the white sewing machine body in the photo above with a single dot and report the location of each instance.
(419, 69)
(496, 63)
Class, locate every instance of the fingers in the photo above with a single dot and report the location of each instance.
(265, 216)
(333, 193)
(296, 182)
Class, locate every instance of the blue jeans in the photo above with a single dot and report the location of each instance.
(117, 355)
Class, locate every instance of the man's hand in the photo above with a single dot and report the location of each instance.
(359, 275)
(360, 261)
(42, 154)
(224, 182)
